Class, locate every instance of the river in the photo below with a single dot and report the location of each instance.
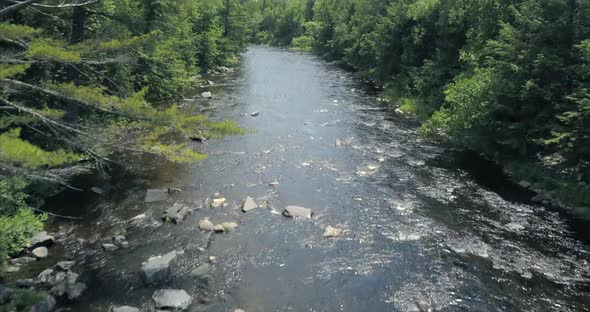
(426, 226)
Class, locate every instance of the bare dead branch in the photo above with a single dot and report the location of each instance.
(17, 6)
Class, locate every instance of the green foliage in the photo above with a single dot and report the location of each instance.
(49, 49)
(8, 70)
(13, 31)
(23, 300)
(17, 221)
(17, 151)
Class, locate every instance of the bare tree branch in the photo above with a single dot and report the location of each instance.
(17, 6)
(64, 5)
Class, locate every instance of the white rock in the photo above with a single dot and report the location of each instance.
(297, 212)
(109, 247)
(206, 225)
(40, 252)
(332, 232)
(249, 204)
(207, 95)
(172, 299)
(217, 202)
(218, 228)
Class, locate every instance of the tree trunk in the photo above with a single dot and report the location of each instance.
(79, 17)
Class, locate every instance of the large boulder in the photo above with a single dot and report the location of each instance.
(41, 239)
(249, 204)
(172, 299)
(176, 214)
(297, 212)
(158, 269)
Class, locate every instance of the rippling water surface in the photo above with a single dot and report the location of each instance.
(425, 227)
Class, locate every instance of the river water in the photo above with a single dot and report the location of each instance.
(426, 226)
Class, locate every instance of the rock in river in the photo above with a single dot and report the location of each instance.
(228, 226)
(207, 95)
(206, 225)
(217, 202)
(249, 204)
(22, 260)
(45, 305)
(40, 252)
(155, 195)
(297, 212)
(157, 269)
(125, 309)
(41, 239)
(109, 247)
(332, 232)
(176, 214)
(172, 299)
(218, 228)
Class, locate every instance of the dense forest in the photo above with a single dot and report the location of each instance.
(83, 81)
(508, 79)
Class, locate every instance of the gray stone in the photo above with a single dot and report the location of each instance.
(118, 239)
(172, 299)
(218, 228)
(44, 276)
(12, 269)
(109, 247)
(332, 232)
(5, 294)
(45, 305)
(239, 310)
(202, 271)
(157, 269)
(274, 183)
(297, 212)
(249, 204)
(207, 95)
(211, 83)
(41, 239)
(175, 214)
(65, 265)
(255, 114)
(156, 195)
(40, 252)
(25, 283)
(22, 260)
(206, 225)
(125, 309)
(75, 290)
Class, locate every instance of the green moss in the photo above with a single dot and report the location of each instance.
(49, 49)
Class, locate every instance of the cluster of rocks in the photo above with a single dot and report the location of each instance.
(37, 249)
(61, 281)
(118, 241)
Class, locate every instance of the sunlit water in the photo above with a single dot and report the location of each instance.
(421, 226)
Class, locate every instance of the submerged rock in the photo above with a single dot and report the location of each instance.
(41, 239)
(25, 283)
(207, 95)
(202, 271)
(228, 226)
(40, 252)
(125, 309)
(218, 202)
(249, 204)
(255, 114)
(97, 190)
(157, 269)
(109, 247)
(332, 232)
(175, 214)
(44, 276)
(155, 195)
(65, 265)
(45, 305)
(22, 260)
(525, 184)
(172, 299)
(206, 225)
(297, 212)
